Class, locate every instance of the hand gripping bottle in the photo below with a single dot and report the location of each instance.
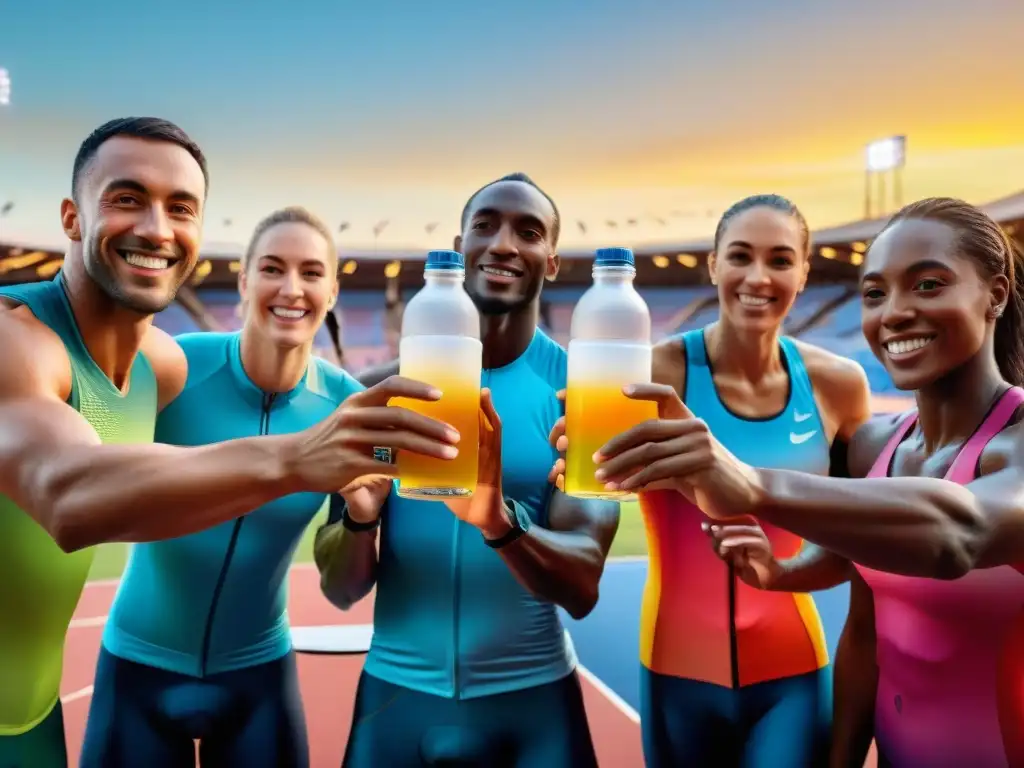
(609, 347)
(441, 346)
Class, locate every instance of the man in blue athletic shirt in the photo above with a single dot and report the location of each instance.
(468, 655)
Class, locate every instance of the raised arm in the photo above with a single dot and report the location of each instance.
(910, 526)
(563, 563)
(856, 681)
(345, 549)
(928, 527)
(54, 467)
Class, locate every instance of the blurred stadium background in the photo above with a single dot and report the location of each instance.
(672, 278)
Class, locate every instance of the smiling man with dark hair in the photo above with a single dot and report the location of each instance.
(85, 374)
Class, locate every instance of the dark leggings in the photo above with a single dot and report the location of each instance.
(143, 716)
(782, 722)
(541, 727)
(42, 747)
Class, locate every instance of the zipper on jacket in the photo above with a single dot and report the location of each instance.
(456, 570)
(734, 651)
(268, 402)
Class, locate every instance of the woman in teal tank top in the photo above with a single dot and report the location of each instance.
(197, 645)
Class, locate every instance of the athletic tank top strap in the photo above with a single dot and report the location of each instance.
(49, 303)
(700, 394)
(800, 387)
(881, 466)
(965, 466)
(693, 343)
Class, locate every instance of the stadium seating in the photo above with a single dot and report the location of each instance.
(175, 320)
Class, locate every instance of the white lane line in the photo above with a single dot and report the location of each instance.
(81, 693)
(617, 701)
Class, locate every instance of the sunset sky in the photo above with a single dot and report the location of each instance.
(620, 109)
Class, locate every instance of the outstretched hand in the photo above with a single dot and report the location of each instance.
(339, 451)
(677, 451)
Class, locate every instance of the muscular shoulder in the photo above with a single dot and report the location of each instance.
(35, 359)
(840, 388)
(169, 364)
(867, 443)
(1005, 449)
(668, 364)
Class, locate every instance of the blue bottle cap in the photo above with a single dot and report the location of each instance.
(614, 257)
(445, 260)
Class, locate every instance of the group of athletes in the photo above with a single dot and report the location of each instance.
(764, 478)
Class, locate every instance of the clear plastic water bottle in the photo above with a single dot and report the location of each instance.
(609, 348)
(441, 346)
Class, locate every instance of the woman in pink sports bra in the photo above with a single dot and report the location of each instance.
(931, 662)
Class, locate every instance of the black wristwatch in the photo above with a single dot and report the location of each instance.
(518, 519)
(356, 526)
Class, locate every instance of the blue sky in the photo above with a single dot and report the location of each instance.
(391, 110)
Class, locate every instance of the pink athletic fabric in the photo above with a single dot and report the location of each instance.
(951, 653)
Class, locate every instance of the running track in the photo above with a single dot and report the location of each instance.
(606, 642)
(328, 683)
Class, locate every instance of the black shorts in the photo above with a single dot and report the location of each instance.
(540, 727)
(143, 716)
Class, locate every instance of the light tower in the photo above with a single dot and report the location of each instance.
(881, 158)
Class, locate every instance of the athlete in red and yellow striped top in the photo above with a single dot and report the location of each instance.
(733, 675)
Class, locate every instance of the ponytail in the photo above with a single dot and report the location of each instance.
(333, 330)
(1009, 330)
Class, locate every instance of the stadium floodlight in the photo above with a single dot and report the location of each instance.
(5, 87)
(881, 158)
(886, 154)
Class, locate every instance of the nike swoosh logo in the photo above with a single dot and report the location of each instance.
(803, 437)
(798, 417)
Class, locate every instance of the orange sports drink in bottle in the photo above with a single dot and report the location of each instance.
(609, 348)
(441, 346)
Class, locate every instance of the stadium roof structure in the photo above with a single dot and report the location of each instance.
(1004, 210)
(838, 250)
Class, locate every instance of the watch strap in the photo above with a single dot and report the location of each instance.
(357, 527)
(518, 529)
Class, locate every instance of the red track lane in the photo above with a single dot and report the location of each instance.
(328, 683)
